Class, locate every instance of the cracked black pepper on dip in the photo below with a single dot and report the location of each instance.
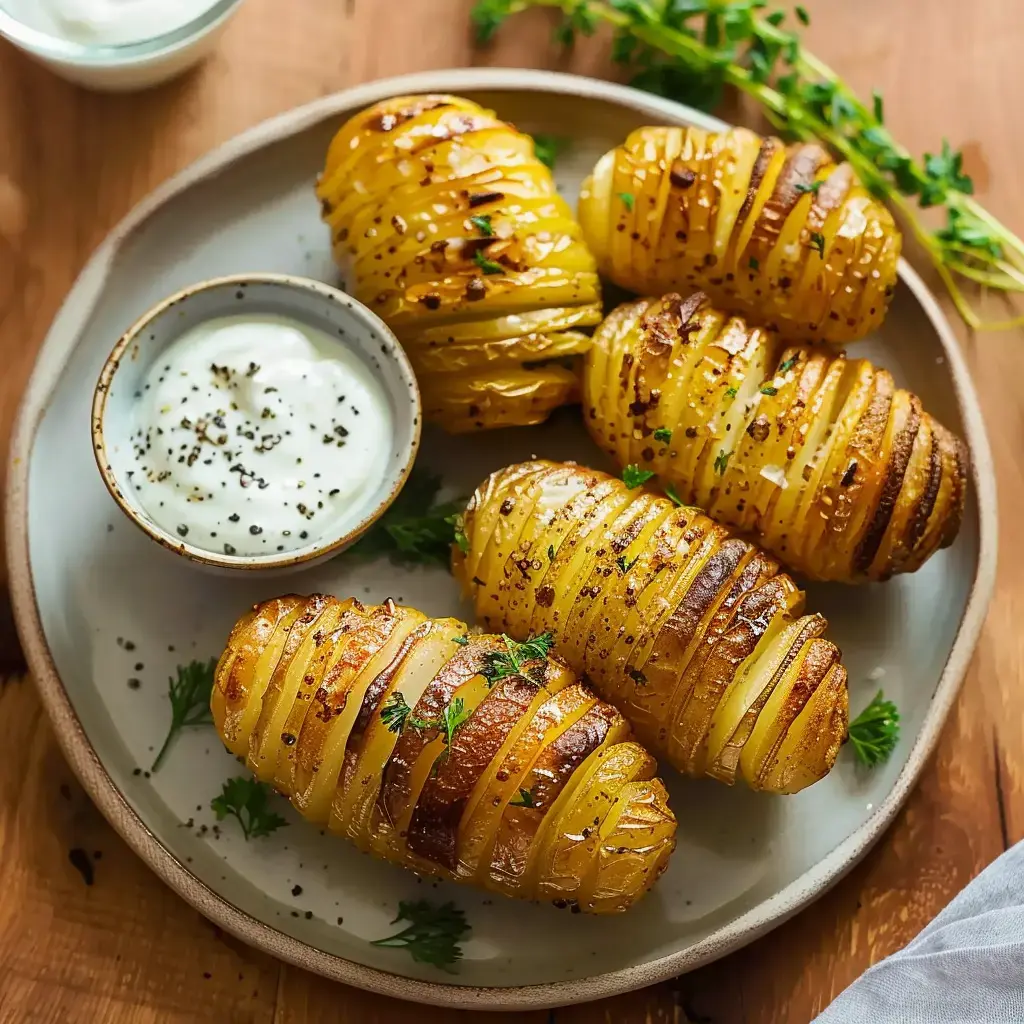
(257, 434)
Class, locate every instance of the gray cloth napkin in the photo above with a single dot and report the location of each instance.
(966, 967)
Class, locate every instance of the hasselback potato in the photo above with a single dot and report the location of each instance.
(447, 225)
(695, 636)
(466, 757)
(839, 473)
(778, 232)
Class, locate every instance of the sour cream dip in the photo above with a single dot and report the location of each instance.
(255, 435)
(106, 22)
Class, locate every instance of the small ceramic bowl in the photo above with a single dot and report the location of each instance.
(309, 302)
(123, 67)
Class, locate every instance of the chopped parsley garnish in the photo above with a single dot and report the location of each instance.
(482, 222)
(637, 676)
(510, 661)
(670, 493)
(875, 731)
(787, 365)
(461, 640)
(457, 524)
(722, 461)
(190, 701)
(524, 798)
(548, 147)
(634, 476)
(625, 566)
(753, 263)
(663, 434)
(396, 714)
(731, 393)
(486, 265)
(769, 390)
(628, 199)
(416, 529)
(803, 189)
(248, 801)
(551, 552)
(817, 243)
(433, 933)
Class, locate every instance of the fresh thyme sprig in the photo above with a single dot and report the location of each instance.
(433, 934)
(190, 701)
(875, 731)
(248, 801)
(691, 50)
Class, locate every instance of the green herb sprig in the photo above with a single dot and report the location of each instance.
(691, 50)
(417, 529)
(190, 701)
(634, 477)
(248, 801)
(510, 661)
(432, 935)
(875, 732)
(548, 147)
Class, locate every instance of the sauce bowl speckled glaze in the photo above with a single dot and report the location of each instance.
(313, 303)
(744, 863)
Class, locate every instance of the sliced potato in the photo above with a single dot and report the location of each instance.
(780, 233)
(835, 470)
(413, 739)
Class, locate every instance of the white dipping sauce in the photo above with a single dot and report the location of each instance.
(255, 435)
(106, 22)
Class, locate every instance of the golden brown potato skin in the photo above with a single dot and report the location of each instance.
(836, 471)
(695, 636)
(446, 224)
(302, 693)
(779, 233)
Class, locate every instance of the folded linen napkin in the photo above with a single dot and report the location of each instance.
(966, 967)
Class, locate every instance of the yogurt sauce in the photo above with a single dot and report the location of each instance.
(106, 22)
(256, 435)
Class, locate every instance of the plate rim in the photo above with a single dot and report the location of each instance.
(63, 336)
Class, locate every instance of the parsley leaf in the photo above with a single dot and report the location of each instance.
(670, 493)
(461, 640)
(416, 529)
(769, 390)
(787, 366)
(523, 799)
(754, 263)
(510, 661)
(875, 731)
(248, 801)
(663, 434)
(190, 701)
(625, 566)
(548, 147)
(482, 222)
(628, 199)
(813, 187)
(731, 393)
(458, 525)
(634, 476)
(486, 265)
(817, 243)
(722, 461)
(433, 933)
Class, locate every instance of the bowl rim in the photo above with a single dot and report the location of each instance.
(52, 47)
(83, 759)
(248, 563)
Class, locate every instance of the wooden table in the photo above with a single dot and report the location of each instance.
(126, 949)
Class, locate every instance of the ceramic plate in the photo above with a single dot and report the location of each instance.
(98, 604)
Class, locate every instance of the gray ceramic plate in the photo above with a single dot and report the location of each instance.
(82, 578)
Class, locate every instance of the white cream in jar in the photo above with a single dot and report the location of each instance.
(106, 22)
(256, 435)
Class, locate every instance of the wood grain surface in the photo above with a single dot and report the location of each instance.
(125, 948)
